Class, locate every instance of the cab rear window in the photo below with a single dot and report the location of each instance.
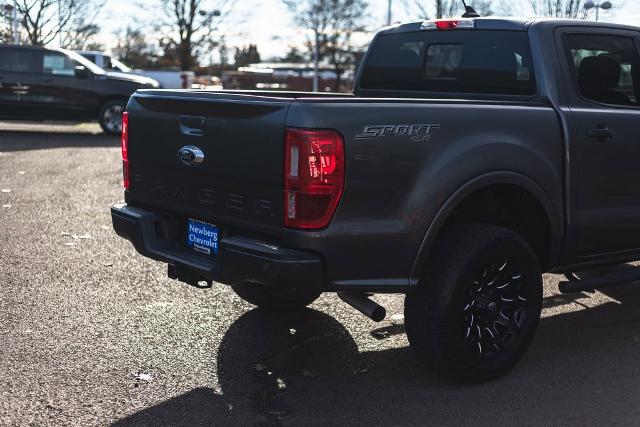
(469, 61)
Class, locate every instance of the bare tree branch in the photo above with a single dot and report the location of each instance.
(559, 8)
(446, 8)
(332, 23)
(82, 27)
(44, 20)
(188, 27)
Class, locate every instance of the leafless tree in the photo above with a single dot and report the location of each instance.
(80, 36)
(44, 20)
(189, 25)
(5, 23)
(82, 29)
(332, 24)
(5, 34)
(559, 8)
(445, 8)
(133, 48)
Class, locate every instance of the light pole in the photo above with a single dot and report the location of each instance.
(60, 22)
(597, 6)
(316, 61)
(389, 14)
(213, 14)
(14, 19)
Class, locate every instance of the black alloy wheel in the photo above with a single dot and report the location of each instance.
(497, 308)
(477, 307)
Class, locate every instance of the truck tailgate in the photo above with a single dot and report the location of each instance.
(240, 181)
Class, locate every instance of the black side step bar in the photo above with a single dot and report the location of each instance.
(610, 279)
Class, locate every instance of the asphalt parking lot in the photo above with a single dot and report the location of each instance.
(92, 334)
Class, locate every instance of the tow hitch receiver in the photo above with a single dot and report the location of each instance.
(178, 272)
(364, 305)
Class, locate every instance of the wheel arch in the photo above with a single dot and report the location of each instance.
(548, 256)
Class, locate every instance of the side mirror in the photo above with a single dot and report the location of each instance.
(81, 72)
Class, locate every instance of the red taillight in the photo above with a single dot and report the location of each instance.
(125, 154)
(313, 177)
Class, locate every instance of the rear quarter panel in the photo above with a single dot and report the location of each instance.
(395, 187)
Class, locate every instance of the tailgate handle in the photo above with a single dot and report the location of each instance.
(193, 125)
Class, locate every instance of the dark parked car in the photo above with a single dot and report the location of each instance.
(474, 155)
(38, 83)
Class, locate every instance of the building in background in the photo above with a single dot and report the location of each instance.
(285, 76)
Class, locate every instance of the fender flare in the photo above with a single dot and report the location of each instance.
(478, 183)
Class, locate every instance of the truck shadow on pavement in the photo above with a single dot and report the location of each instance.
(307, 369)
(18, 140)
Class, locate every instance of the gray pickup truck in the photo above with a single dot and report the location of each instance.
(473, 155)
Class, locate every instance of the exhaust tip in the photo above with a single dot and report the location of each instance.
(364, 305)
(378, 314)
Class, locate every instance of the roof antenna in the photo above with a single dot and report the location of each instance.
(469, 12)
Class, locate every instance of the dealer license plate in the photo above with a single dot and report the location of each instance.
(202, 237)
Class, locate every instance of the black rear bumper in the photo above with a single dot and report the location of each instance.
(239, 259)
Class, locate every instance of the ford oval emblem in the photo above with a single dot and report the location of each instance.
(191, 155)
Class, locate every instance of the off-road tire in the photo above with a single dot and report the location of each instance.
(439, 322)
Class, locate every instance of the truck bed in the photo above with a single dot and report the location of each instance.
(394, 183)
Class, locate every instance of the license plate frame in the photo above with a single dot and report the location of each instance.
(202, 237)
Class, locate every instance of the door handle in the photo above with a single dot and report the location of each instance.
(601, 133)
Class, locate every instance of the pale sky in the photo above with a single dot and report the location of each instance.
(269, 24)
